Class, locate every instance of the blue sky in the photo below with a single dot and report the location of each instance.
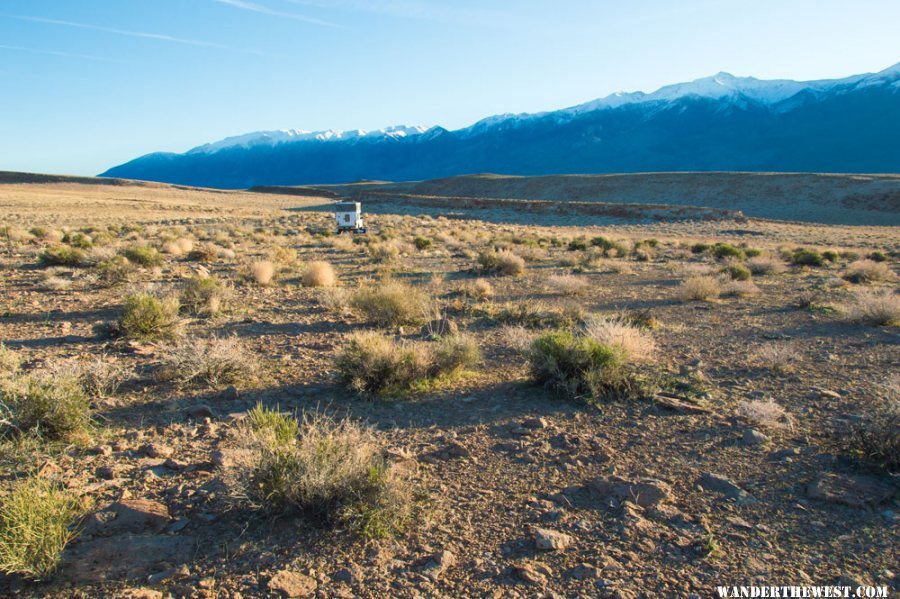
(87, 84)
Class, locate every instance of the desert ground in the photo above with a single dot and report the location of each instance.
(209, 394)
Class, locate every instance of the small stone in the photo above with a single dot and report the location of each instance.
(157, 450)
(644, 492)
(534, 423)
(550, 540)
(106, 472)
(584, 572)
(721, 484)
(292, 584)
(829, 394)
(753, 437)
(438, 564)
(348, 575)
(855, 490)
(199, 412)
(127, 516)
(533, 572)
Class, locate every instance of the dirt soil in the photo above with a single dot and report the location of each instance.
(497, 455)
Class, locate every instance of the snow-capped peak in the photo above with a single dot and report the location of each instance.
(280, 136)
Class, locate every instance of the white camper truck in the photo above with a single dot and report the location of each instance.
(349, 217)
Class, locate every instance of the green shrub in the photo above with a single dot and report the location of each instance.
(393, 303)
(113, 271)
(329, 469)
(805, 257)
(578, 245)
(203, 295)
(877, 257)
(146, 317)
(61, 255)
(52, 406)
(372, 364)
(700, 248)
(144, 255)
(454, 353)
(752, 252)
(277, 428)
(738, 272)
(422, 243)
(375, 365)
(78, 240)
(726, 250)
(579, 366)
(608, 246)
(37, 521)
(830, 256)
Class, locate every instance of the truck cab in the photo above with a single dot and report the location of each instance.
(349, 217)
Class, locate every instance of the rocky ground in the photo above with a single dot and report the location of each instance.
(527, 493)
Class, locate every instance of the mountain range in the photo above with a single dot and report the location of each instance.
(717, 123)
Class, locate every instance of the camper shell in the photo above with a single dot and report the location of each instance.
(348, 216)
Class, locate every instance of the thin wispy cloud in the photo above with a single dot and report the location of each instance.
(58, 53)
(414, 9)
(265, 10)
(139, 34)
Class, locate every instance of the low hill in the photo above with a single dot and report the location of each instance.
(854, 199)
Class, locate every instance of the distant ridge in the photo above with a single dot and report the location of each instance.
(717, 123)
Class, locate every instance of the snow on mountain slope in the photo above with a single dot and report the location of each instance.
(723, 87)
(272, 138)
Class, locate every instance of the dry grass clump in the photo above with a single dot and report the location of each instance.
(567, 284)
(375, 365)
(203, 295)
(703, 288)
(876, 437)
(206, 253)
(637, 343)
(868, 271)
(393, 303)
(178, 247)
(261, 272)
(213, 363)
(739, 289)
(342, 243)
(778, 356)
(482, 289)
(329, 469)
(319, 274)
(10, 361)
(503, 262)
(875, 307)
(334, 299)
(37, 521)
(148, 317)
(283, 257)
(100, 376)
(516, 337)
(766, 413)
(387, 251)
(765, 265)
(46, 404)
